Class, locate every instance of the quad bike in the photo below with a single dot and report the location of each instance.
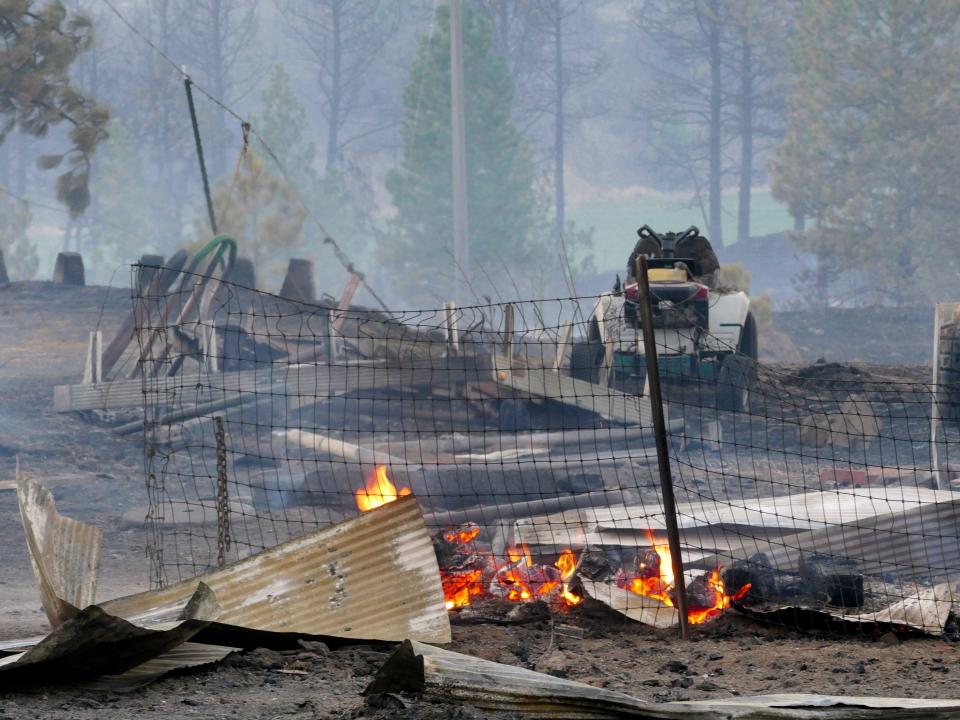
(701, 332)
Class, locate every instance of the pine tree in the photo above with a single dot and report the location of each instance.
(505, 210)
(873, 145)
(38, 44)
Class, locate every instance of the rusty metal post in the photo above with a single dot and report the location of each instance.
(660, 433)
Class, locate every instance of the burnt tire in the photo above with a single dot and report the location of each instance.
(585, 361)
(948, 374)
(735, 383)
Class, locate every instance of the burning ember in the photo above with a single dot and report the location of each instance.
(469, 574)
(463, 535)
(706, 595)
(378, 490)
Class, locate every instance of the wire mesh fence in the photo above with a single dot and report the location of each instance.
(820, 498)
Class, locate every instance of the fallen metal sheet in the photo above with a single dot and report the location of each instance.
(93, 643)
(449, 677)
(804, 511)
(648, 611)
(372, 577)
(65, 553)
(187, 655)
(908, 532)
(925, 609)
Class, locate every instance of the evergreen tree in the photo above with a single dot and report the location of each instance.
(38, 44)
(871, 153)
(505, 210)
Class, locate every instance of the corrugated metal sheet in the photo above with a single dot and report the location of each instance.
(65, 553)
(804, 511)
(451, 677)
(93, 643)
(372, 577)
(189, 654)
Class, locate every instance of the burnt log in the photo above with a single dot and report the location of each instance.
(146, 269)
(833, 580)
(757, 573)
(595, 565)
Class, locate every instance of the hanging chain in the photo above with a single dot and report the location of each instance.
(223, 500)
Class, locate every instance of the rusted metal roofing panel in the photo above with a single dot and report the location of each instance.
(373, 577)
(65, 553)
(446, 676)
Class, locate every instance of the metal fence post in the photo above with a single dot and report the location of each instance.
(660, 433)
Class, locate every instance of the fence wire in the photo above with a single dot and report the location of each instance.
(821, 498)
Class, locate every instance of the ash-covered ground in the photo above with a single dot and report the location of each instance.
(97, 476)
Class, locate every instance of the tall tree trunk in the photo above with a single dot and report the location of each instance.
(558, 136)
(333, 121)
(746, 140)
(716, 101)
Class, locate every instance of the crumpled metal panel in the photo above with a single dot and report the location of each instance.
(93, 643)
(372, 577)
(65, 553)
(449, 677)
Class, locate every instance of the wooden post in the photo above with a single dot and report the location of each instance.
(562, 343)
(663, 450)
(461, 244)
(943, 313)
(4, 278)
(327, 329)
(298, 283)
(93, 363)
(450, 327)
(208, 335)
(508, 331)
(68, 269)
(346, 299)
(243, 273)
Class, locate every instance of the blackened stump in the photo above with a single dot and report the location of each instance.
(68, 269)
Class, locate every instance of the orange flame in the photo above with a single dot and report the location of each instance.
(518, 553)
(659, 586)
(460, 588)
(378, 490)
(461, 536)
(567, 564)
